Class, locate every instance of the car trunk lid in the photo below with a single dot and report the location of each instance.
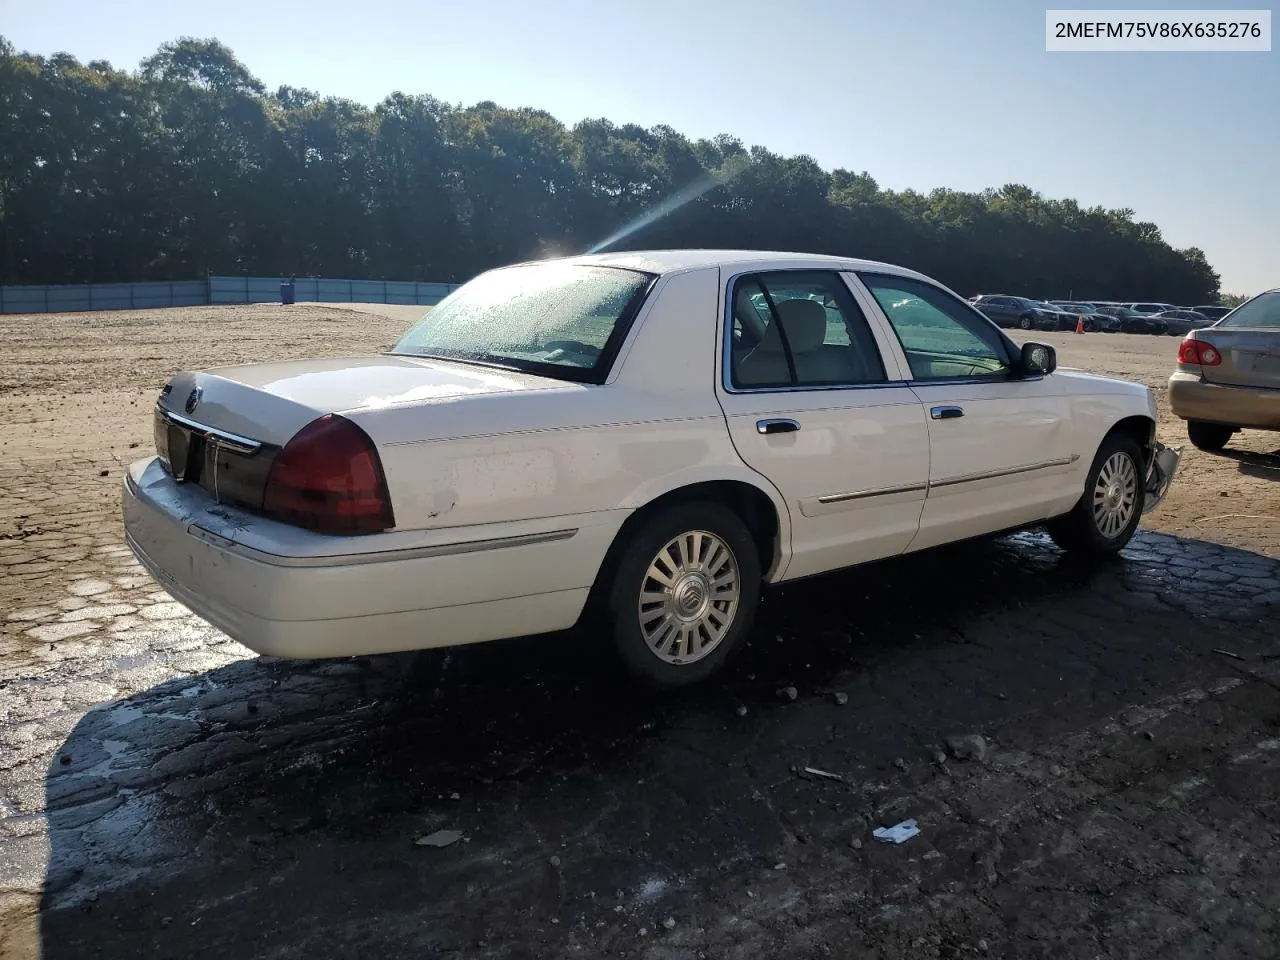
(222, 429)
(1249, 357)
(270, 402)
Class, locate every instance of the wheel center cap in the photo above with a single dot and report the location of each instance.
(1113, 496)
(690, 596)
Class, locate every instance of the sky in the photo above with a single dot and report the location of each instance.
(918, 93)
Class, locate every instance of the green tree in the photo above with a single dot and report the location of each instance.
(188, 164)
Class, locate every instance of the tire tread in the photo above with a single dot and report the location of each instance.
(1209, 437)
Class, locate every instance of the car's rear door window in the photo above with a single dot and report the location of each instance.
(795, 329)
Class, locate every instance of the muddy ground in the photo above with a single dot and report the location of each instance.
(165, 794)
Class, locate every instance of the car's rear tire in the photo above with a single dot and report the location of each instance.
(1105, 518)
(1210, 437)
(684, 594)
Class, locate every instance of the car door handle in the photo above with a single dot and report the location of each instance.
(781, 425)
(946, 413)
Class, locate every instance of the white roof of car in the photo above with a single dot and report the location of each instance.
(677, 261)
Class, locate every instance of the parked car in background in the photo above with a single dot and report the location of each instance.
(1064, 318)
(1144, 323)
(1150, 307)
(646, 439)
(1130, 321)
(1182, 320)
(1020, 312)
(1094, 320)
(1228, 375)
(1211, 311)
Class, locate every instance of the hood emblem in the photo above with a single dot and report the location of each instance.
(193, 400)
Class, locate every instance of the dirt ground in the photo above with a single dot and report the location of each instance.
(164, 793)
(77, 391)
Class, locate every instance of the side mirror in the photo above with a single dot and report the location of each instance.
(1038, 359)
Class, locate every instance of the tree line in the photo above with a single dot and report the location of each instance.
(188, 165)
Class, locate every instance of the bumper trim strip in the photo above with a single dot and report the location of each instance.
(380, 556)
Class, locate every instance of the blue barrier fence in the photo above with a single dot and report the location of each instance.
(85, 297)
(312, 290)
(74, 298)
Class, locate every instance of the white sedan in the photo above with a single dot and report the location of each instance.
(652, 437)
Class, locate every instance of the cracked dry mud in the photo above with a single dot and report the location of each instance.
(165, 794)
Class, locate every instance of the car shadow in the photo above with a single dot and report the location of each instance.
(1265, 466)
(270, 807)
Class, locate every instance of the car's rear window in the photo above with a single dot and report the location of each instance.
(1263, 311)
(559, 320)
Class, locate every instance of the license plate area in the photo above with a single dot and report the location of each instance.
(186, 453)
(233, 469)
(1267, 364)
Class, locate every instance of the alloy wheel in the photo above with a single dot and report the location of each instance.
(689, 597)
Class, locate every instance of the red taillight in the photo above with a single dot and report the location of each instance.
(1198, 352)
(328, 478)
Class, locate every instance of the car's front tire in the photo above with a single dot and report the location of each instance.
(1025, 322)
(1105, 518)
(1210, 437)
(684, 594)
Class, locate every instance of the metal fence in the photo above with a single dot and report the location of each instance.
(79, 297)
(85, 297)
(312, 290)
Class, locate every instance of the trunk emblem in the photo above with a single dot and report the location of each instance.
(193, 400)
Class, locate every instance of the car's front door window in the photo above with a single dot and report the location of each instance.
(942, 338)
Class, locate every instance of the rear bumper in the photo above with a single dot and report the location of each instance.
(1191, 398)
(270, 587)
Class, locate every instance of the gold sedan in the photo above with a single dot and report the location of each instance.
(1228, 375)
